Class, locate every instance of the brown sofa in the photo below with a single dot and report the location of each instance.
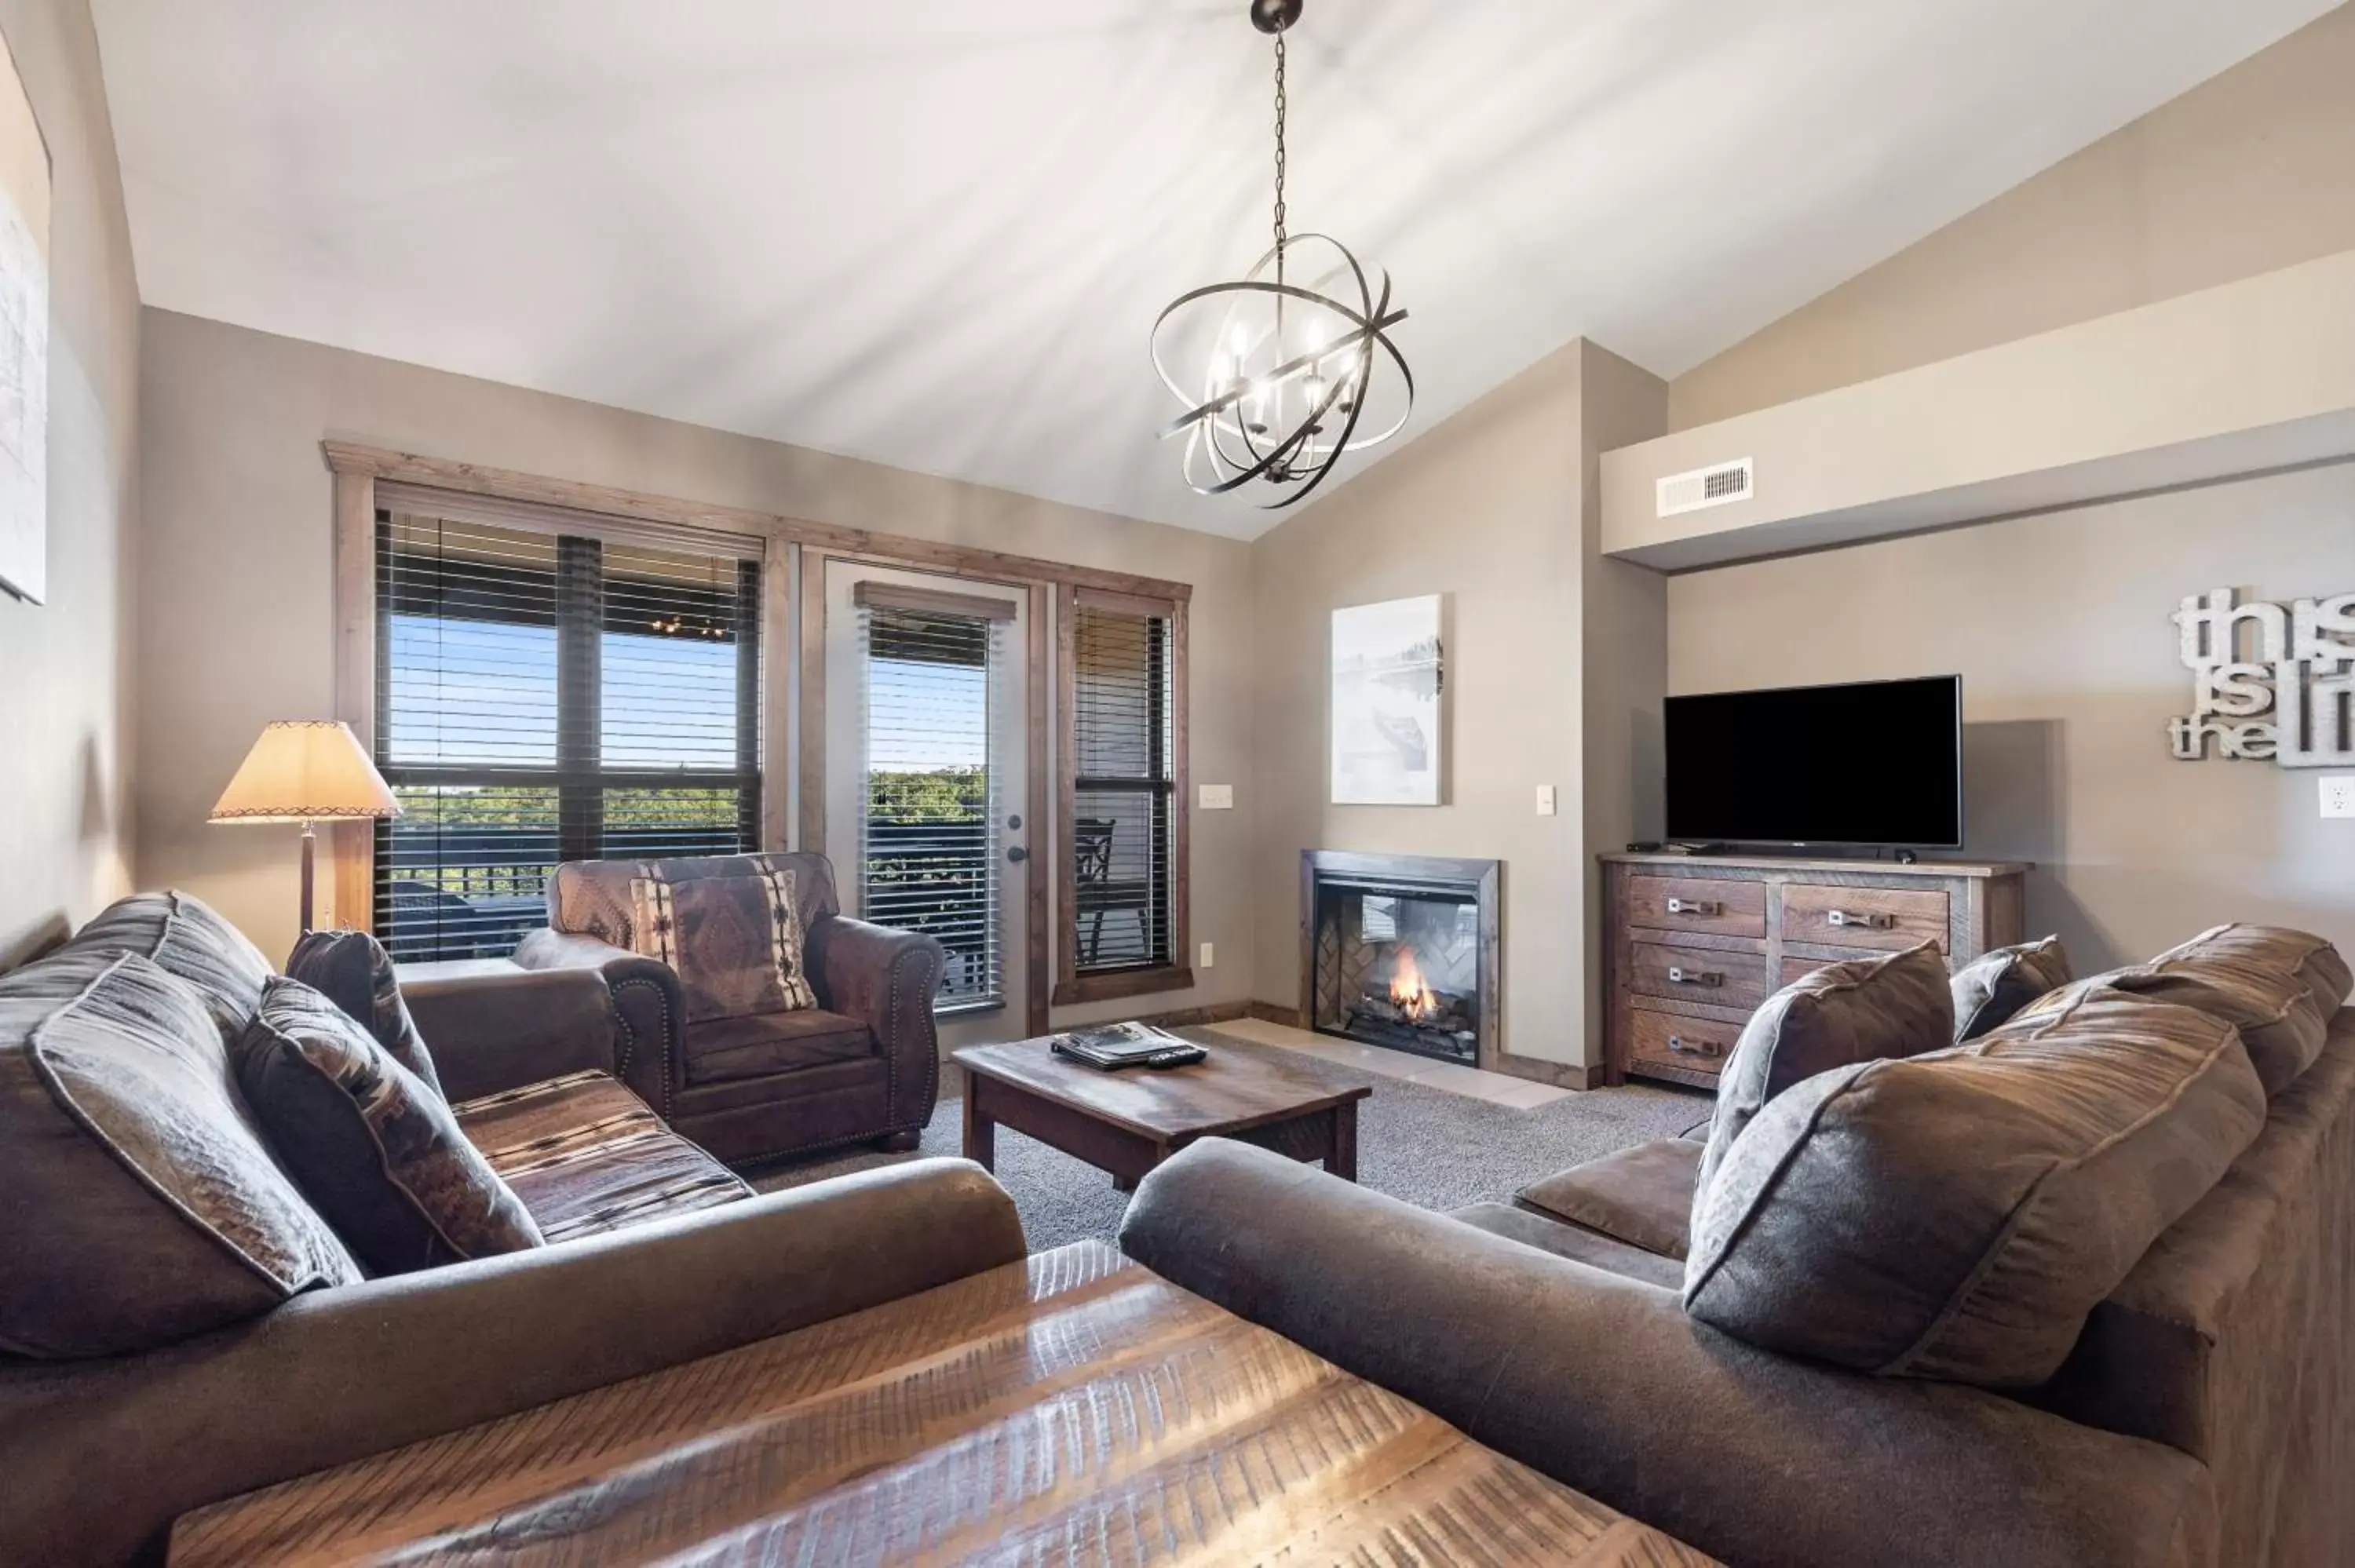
(863, 1065)
(2205, 1416)
(655, 1254)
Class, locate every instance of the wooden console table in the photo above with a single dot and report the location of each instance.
(1693, 944)
(1074, 1408)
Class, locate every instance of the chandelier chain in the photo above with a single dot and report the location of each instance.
(1279, 144)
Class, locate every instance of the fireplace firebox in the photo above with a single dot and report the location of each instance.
(1401, 952)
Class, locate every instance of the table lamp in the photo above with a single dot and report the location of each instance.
(306, 771)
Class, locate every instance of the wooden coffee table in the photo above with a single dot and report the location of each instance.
(1129, 1121)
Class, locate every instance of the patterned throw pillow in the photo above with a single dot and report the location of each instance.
(735, 942)
(139, 1203)
(375, 1151)
(1996, 984)
(352, 970)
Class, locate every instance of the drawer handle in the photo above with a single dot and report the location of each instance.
(1701, 906)
(1869, 921)
(1699, 1048)
(1680, 974)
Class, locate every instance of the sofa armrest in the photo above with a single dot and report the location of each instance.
(1605, 1384)
(495, 1031)
(97, 1458)
(886, 979)
(646, 1000)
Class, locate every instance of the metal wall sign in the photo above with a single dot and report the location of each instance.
(2269, 681)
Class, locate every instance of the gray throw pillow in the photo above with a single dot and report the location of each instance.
(379, 1153)
(1894, 1005)
(1996, 984)
(2280, 1025)
(1958, 1215)
(141, 1202)
(352, 970)
(190, 940)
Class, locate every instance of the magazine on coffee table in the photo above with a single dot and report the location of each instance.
(1109, 1046)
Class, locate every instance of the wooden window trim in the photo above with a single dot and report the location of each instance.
(794, 756)
(1070, 986)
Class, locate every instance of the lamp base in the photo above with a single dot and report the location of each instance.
(310, 846)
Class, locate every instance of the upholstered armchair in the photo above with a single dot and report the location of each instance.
(862, 1065)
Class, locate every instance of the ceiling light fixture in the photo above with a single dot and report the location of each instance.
(1288, 370)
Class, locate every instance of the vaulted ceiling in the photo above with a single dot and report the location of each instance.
(934, 232)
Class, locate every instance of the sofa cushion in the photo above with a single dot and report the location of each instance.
(138, 1199)
(374, 1147)
(352, 970)
(585, 1155)
(1996, 984)
(1642, 1195)
(2316, 964)
(734, 942)
(1958, 1215)
(1579, 1245)
(2273, 1010)
(592, 897)
(724, 1049)
(1894, 1005)
(188, 938)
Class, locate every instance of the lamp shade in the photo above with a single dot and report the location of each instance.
(306, 771)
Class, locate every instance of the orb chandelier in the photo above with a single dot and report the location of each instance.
(1288, 366)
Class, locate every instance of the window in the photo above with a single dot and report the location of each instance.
(929, 801)
(543, 697)
(1121, 685)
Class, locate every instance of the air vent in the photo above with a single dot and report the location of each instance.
(1718, 485)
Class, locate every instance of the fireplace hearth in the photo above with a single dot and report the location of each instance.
(1401, 952)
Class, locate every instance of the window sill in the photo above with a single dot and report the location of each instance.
(1121, 983)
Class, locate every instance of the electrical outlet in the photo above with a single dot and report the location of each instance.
(1206, 955)
(1215, 797)
(1545, 799)
(2338, 795)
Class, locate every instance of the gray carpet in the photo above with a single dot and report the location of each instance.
(1425, 1145)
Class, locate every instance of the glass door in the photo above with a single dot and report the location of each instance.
(925, 727)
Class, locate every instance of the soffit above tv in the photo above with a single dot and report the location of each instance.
(2242, 378)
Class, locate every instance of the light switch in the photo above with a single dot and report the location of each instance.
(2338, 795)
(1545, 799)
(1217, 797)
(1206, 955)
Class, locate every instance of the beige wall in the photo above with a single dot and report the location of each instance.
(1488, 508)
(2059, 627)
(236, 597)
(64, 697)
(2246, 174)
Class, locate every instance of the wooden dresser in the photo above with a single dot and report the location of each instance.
(1693, 944)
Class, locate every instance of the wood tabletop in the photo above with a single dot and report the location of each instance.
(1233, 1089)
(1702, 864)
(1075, 1409)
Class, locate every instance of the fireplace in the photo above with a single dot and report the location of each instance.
(1401, 952)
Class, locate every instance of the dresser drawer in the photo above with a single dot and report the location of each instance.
(1678, 1043)
(1887, 918)
(1724, 907)
(1696, 974)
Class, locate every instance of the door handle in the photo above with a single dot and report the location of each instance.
(1018, 854)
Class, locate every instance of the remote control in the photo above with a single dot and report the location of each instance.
(1175, 1057)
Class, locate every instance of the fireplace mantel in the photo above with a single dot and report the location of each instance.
(1408, 874)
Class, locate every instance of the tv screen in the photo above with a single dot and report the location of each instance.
(1877, 762)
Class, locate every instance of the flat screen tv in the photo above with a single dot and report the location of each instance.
(1874, 762)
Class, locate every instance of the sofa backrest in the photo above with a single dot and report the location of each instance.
(190, 940)
(592, 897)
(2231, 1340)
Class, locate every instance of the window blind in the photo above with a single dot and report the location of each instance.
(929, 809)
(1123, 791)
(543, 697)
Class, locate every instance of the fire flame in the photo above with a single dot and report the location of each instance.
(1408, 992)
